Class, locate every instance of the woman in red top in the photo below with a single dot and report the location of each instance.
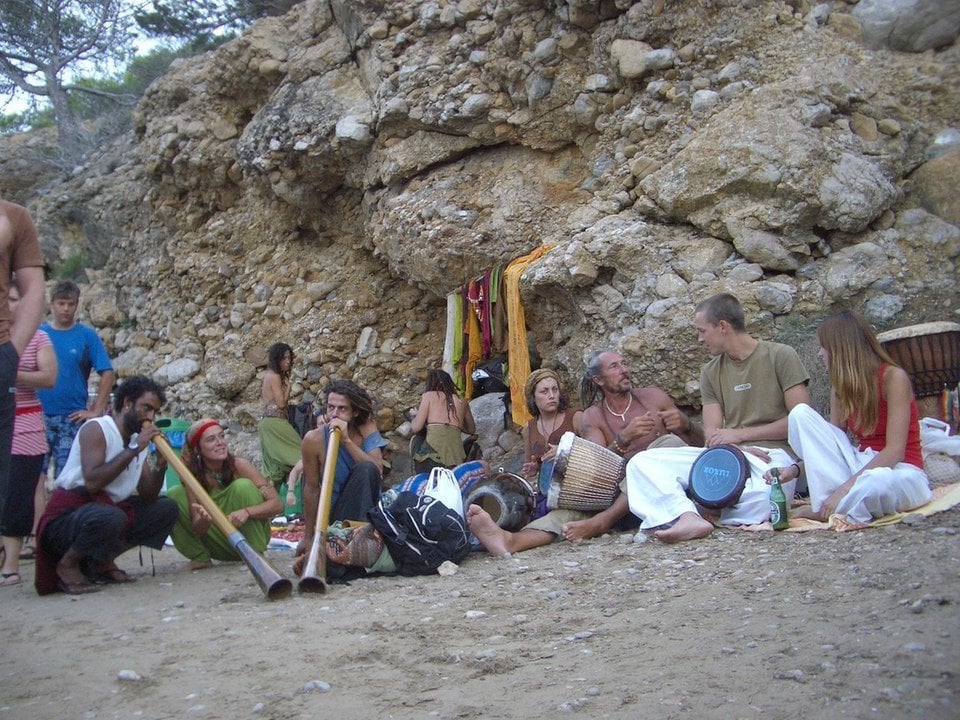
(872, 398)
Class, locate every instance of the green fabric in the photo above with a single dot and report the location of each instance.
(279, 448)
(241, 493)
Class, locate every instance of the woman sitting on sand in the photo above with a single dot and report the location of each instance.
(444, 415)
(873, 398)
(244, 495)
(552, 417)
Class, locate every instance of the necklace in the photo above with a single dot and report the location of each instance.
(557, 419)
(623, 415)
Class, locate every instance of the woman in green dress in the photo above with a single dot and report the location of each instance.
(279, 440)
(244, 495)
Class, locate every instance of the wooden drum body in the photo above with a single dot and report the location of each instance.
(586, 476)
(508, 498)
(929, 353)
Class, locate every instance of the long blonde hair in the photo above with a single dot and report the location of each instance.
(855, 356)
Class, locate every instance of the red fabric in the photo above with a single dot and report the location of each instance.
(877, 440)
(195, 440)
(45, 578)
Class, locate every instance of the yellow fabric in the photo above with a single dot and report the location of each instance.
(474, 348)
(944, 498)
(518, 355)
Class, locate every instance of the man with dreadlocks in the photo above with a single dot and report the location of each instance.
(359, 465)
(618, 416)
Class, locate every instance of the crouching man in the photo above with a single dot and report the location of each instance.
(107, 497)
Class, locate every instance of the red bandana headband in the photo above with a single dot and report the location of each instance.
(195, 440)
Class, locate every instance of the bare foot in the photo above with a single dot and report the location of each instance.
(199, 565)
(577, 530)
(806, 512)
(68, 569)
(688, 526)
(491, 536)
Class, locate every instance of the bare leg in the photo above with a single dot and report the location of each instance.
(11, 559)
(688, 526)
(204, 565)
(39, 503)
(806, 511)
(577, 530)
(498, 541)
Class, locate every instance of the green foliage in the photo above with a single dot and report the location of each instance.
(41, 42)
(31, 119)
(205, 18)
(71, 266)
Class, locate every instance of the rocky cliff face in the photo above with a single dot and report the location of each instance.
(328, 177)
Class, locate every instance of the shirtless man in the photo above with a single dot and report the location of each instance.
(620, 417)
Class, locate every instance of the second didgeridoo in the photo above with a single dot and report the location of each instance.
(314, 578)
(273, 584)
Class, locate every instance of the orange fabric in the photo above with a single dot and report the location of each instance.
(518, 355)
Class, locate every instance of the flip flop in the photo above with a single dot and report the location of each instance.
(29, 550)
(7, 579)
(77, 588)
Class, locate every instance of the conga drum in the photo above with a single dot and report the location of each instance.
(718, 476)
(586, 476)
(929, 353)
(508, 498)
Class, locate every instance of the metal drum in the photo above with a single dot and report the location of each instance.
(929, 353)
(508, 498)
(718, 476)
(586, 476)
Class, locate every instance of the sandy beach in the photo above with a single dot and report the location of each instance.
(739, 625)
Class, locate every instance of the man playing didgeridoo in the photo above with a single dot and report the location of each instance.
(620, 417)
(359, 463)
(747, 389)
(107, 497)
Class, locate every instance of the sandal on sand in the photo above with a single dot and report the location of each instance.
(29, 549)
(10, 579)
(77, 588)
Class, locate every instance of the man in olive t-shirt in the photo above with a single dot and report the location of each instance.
(747, 389)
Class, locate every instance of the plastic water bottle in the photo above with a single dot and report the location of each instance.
(779, 515)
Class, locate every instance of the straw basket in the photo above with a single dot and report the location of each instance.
(586, 476)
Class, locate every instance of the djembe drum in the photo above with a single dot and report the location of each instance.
(718, 476)
(930, 355)
(508, 498)
(586, 476)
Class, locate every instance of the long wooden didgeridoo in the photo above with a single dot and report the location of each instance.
(314, 577)
(273, 584)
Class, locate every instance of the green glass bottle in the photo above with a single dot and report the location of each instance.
(779, 516)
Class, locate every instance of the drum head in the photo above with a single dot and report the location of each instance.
(718, 476)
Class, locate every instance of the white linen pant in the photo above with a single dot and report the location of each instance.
(829, 460)
(657, 482)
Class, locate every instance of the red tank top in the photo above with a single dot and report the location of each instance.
(877, 440)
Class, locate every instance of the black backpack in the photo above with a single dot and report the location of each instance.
(420, 532)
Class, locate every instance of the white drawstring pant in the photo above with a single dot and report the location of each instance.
(657, 482)
(830, 459)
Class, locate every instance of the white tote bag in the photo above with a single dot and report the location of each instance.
(442, 486)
